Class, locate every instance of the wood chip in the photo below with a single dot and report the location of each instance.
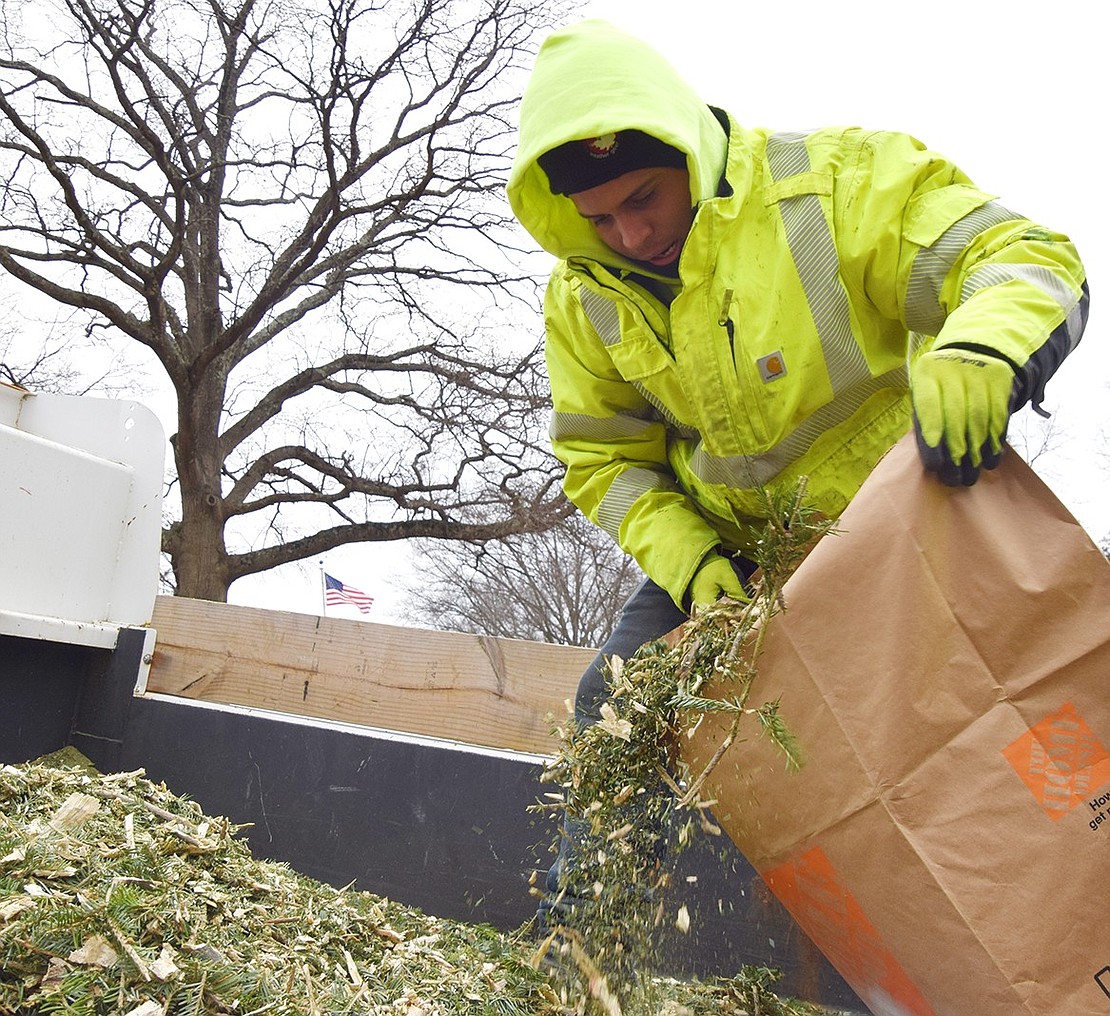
(94, 951)
(74, 812)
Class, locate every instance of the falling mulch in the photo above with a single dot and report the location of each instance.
(628, 800)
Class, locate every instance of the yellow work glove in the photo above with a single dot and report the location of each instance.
(961, 407)
(715, 578)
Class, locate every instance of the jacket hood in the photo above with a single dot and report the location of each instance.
(590, 79)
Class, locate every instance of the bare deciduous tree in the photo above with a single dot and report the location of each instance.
(47, 363)
(565, 585)
(1044, 442)
(1035, 437)
(296, 209)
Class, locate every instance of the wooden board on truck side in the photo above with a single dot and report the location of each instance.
(501, 693)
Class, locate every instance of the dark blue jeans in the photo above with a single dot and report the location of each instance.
(648, 615)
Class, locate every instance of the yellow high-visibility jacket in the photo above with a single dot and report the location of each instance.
(817, 265)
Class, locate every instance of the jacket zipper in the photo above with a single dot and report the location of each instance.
(725, 321)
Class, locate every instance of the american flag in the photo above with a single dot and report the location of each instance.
(335, 592)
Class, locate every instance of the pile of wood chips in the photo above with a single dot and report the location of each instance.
(116, 897)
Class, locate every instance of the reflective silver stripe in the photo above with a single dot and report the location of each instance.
(602, 314)
(754, 470)
(787, 154)
(815, 258)
(575, 426)
(623, 493)
(932, 265)
(1039, 276)
(1077, 318)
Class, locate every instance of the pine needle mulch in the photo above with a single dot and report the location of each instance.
(118, 898)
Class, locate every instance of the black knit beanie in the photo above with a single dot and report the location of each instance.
(579, 165)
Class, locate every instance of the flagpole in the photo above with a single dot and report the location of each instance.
(323, 591)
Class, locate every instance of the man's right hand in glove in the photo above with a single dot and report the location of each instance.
(715, 578)
(961, 405)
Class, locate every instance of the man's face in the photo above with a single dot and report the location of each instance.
(644, 215)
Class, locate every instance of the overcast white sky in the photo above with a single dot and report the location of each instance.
(1013, 93)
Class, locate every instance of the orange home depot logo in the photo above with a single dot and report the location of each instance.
(811, 890)
(1061, 761)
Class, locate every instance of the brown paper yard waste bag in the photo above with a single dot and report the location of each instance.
(944, 662)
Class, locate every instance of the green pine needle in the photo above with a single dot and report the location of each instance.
(775, 730)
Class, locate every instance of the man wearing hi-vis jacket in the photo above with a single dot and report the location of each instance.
(737, 308)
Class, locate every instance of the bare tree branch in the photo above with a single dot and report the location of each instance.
(565, 585)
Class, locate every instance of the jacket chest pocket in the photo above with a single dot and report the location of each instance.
(645, 363)
(638, 353)
(640, 356)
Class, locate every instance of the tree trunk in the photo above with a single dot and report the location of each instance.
(197, 552)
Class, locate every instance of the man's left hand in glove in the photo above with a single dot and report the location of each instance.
(961, 407)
